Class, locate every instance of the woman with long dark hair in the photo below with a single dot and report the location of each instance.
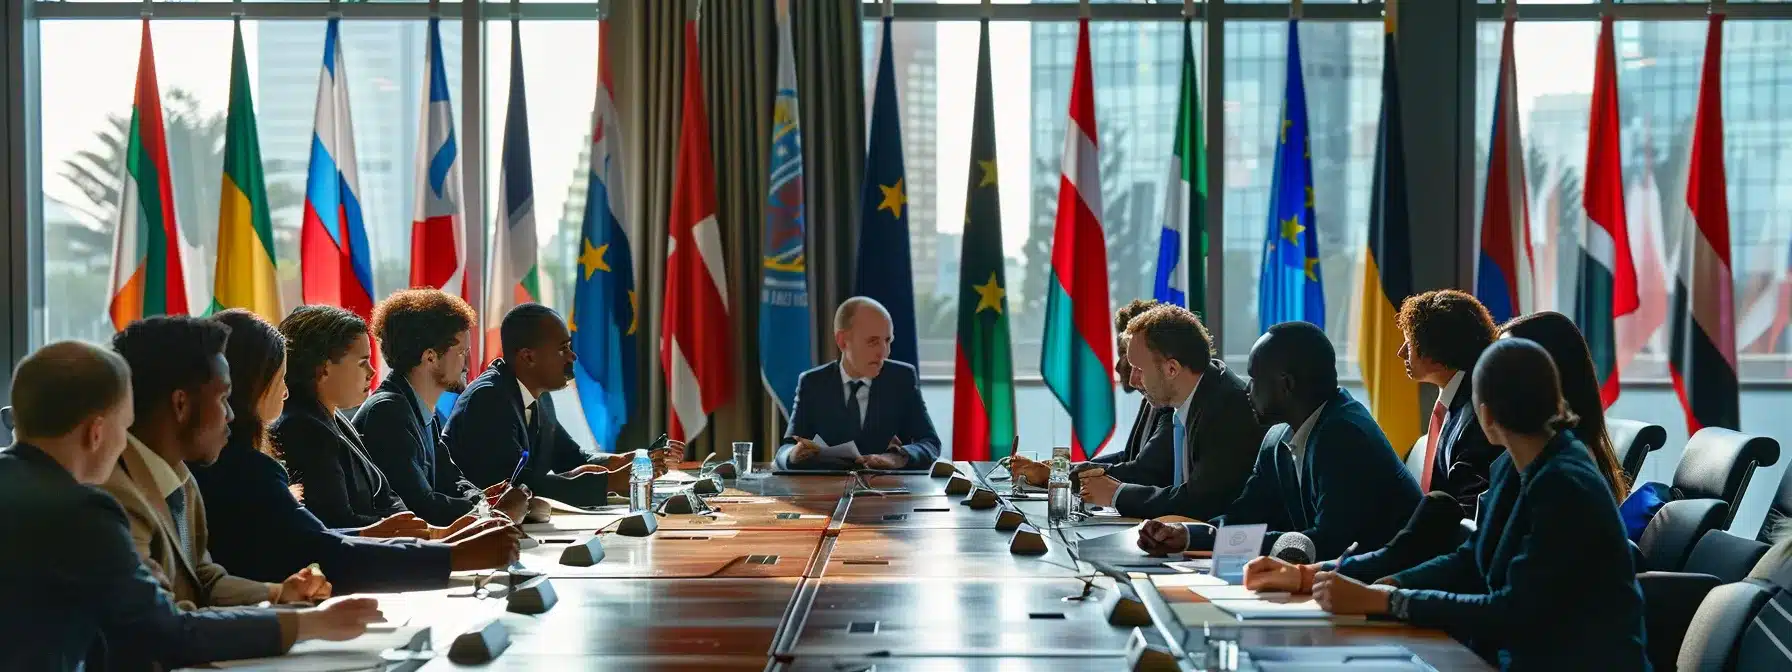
(1580, 386)
(1547, 580)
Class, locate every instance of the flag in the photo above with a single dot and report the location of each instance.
(147, 250)
(604, 289)
(694, 349)
(1702, 352)
(1182, 280)
(1639, 329)
(244, 276)
(442, 249)
(785, 328)
(1291, 286)
(513, 274)
(1077, 360)
(983, 383)
(1607, 286)
(884, 270)
(1387, 270)
(334, 259)
(1504, 278)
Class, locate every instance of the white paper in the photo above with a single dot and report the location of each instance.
(1186, 580)
(675, 476)
(1234, 546)
(1251, 609)
(1234, 592)
(1197, 565)
(846, 451)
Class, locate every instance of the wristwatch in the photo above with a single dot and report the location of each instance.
(1397, 601)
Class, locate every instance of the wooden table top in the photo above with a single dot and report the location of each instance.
(929, 512)
(685, 554)
(941, 552)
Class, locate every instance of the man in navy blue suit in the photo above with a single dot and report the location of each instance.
(863, 398)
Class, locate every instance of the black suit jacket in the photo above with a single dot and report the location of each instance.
(1220, 445)
(894, 409)
(1459, 465)
(81, 595)
(1547, 580)
(261, 532)
(1352, 488)
(1153, 456)
(415, 460)
(488, 438)
(324, 453)
(1143, 424)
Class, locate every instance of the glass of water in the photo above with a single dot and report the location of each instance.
(743, 458)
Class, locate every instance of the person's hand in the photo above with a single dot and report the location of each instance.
(308, 585)
(804, 451)
(497, 489)
(884, 461)
(451, 529)
(340, 619)
(1098, 487)
(1387, 581)
(610, 464)
(514, 503)
(480, 526)
(1269, 574)
(1159, 538)
(1028, 471)
(405, 524)
(1346, 596)
(665, 459)
(489, 549)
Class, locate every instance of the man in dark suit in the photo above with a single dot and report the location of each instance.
(1213, 437)
(87, 599)
(1445, 331)
(863, 398)
(504, 427)
(1327, 472)
(426, 336)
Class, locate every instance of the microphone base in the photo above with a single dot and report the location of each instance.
(942, 469)
(982, 498)
(1124, 608)
(1009, 519)
(639, 524)
(959, 485)
(532, 597)
(480, 644)
(584, 552)
(1027, 540)
(1147, 652)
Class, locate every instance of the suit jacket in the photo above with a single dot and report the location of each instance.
(1154, 457)
(414, 459)
(1547, 579)
(488, 436)
(324, 453)
(261, 532)
(194, 578)
(1143, 425)
(1459, 465)
(1220, 445)
(1352, 488)
(80, 594)
(894, 408)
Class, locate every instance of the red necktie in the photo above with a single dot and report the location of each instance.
(1437, 427)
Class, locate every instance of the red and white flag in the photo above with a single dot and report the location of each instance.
(694, 340)
(444, 254)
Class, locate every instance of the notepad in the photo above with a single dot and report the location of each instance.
(1262, 609)
(1233, 592)
(1186, 580)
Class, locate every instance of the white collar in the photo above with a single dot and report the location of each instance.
(846, 378)
(166, 477)
(1188, 404)
(1448, 396)
(1299, 441)
(527, 398)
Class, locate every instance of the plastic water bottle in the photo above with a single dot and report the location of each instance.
(1058, 487)
(640, 483)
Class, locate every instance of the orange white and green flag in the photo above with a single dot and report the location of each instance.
(147, 273)
(244, 277)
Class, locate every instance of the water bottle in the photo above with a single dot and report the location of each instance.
(1058, 487)
(640, 483)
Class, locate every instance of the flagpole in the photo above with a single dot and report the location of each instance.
(1083, 9)
(1294, 10)
(890, 8)
(1188, 9)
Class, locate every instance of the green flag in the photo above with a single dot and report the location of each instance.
(983, 389)
(1183, 281)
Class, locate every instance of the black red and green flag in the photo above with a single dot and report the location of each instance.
(983, 389)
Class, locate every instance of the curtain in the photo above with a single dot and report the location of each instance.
(737, 41)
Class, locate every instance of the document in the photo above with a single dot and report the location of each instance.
(1233, 592)
(1255, 609)
(1190, 581)
(1234, 546)
(848, 451)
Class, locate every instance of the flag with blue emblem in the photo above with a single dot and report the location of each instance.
(1289, 288)
(785, 328)
(603, 319)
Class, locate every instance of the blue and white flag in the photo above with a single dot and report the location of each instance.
(785, 328)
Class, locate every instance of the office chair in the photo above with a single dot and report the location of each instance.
(1718, 464)
(1633, 441)
(1778, 524)
(1734, 627)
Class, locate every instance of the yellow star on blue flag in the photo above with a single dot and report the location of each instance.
(1291, 285)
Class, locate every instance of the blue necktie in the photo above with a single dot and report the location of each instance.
(1176, 469)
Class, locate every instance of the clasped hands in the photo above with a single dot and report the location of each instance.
(892, 457)
(1095, 485)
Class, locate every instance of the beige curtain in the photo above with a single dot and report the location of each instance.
(737, 46)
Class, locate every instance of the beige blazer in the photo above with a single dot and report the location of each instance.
(195, 582)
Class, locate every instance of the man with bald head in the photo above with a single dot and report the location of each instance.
(864, 398)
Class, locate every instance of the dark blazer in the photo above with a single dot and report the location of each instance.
(1547, 579)
(1220, 444)
(324, 453)
(1142, 426)
(82, 596)
(1460, 464)
(894, 409)
(488, 437)
(1150, 464)
(261, 532)
(414, 459)
(1352, 488)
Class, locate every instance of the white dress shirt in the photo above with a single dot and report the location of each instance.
(1298, 442)
(846, 381)
(1444, 398)
(528, 401)
(167, 477)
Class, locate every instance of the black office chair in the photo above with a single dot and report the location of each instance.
(1778, 524)
(1718, 464)
(1733, 627)
(1633, 442)
(6, 421)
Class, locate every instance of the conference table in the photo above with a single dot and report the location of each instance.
(838, 572)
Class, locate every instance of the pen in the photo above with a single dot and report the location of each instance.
(1345, 554)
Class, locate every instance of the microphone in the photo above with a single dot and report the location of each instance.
(1432, 530)
(1293, 547)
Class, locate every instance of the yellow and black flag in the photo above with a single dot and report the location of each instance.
(1387, 271)
(983, 389)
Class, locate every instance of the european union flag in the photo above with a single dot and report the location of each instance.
(885, 273)
(1290, 288)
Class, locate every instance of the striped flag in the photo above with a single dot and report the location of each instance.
(604, 289)
(1702, 354)
(1077, 360)
(444, 254)
(983, 384)
(1504, 279)
(694, 345)
(334, 259)
(1182, 280)
(785, 328)
(1608, 285)
(513, 275)
(1291, 286)
(1387, 270)
(244, 275)
(147, 249)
